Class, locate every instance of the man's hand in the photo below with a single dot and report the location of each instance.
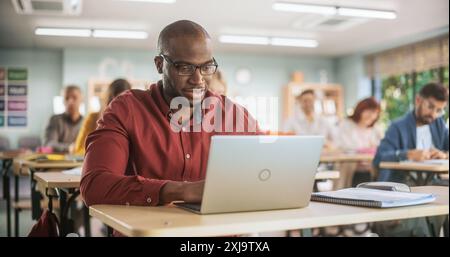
(193, 191)
(436, 154)
(190, 192)
(419, 155)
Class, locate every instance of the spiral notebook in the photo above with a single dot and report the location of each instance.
(372, 198)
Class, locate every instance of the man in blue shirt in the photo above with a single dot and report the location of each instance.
(417, 136)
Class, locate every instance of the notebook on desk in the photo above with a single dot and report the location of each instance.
(374, 198)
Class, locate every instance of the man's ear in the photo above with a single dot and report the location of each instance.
(159, 64)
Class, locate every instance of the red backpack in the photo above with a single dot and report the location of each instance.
(47, 226)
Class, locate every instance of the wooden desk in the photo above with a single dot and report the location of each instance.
(425, 172)
(7, 158)
(329, 174)
(346, 157)
(67, 186)
(27, 167)
(62, 180)
(172, 221)
(57, 180)
(412, 166)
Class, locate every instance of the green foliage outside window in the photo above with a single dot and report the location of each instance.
(398, 92)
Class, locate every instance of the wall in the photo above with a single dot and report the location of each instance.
(44, 81)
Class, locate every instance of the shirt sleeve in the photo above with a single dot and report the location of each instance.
(389, 148)
(107, 150)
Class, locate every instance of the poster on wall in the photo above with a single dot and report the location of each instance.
(2, 97)
(13, 97)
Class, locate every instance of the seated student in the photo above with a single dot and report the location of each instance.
(117, 87)
(218, 84)
(306, 121)
(358, 133)
(417, 136)
(62, 129)
(145, 150)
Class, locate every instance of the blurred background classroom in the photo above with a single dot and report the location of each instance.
(383, 51)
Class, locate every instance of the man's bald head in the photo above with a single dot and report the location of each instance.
(180, 29)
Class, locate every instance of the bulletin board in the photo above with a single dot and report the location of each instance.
(13, 98)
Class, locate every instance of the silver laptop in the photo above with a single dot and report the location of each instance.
(253, 173)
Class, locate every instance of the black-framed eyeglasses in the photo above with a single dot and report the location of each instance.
(185, 69)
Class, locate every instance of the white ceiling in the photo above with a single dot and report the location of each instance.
(228, 16)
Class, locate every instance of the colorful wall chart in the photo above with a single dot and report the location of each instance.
(13, 97)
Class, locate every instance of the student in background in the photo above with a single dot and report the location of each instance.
(419, 135)
(62, 129)
(358, 134)
(90, 123)
(307, 122)
(218, 84)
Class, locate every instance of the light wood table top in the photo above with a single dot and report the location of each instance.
(62, 180)
(23, 166)
(329, 174)
(346, 157)
(173, 221)
(414, 166)
(5, 155)
(57, 180)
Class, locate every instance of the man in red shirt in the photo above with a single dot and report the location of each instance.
(146, 153)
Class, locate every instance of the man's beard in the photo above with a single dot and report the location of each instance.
(423, 119)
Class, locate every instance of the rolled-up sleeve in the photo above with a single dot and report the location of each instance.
(107, 156)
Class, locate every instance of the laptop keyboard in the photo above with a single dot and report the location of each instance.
(192, 206)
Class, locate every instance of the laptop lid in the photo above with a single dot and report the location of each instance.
(251, 173)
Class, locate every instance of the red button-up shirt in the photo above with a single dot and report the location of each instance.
(134, 150)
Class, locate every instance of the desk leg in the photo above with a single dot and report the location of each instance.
(16, 200)
(67, 224)
(307, 232)
(109, 231)
(87, 221)
(36, 198)
(446, 227)
(423, 178)
(6, 193)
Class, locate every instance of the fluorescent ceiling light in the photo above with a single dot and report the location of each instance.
(248, 40)
(334, 10)
(297, 42)
(261, 40)
(363, 13)
(98, 33)
(304, 8)
(151, 1)
(63, 32)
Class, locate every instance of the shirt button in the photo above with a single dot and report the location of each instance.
(188, 156)
(149, 200)
(183, 128)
